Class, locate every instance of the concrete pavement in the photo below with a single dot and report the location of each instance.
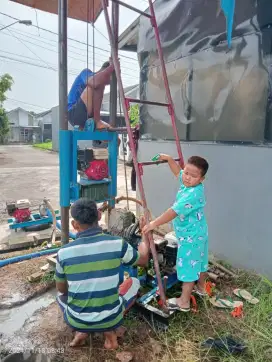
(30, 173)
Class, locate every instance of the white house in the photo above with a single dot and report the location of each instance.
(131, 92)
(23, 126)
(44, 120)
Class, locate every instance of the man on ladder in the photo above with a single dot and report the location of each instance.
(86, 96)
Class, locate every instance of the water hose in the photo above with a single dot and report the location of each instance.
(51, 212)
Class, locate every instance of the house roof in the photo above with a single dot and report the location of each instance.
(17, 109)
(106, 97)
(128, 40)
(77, 9)
(42, 114)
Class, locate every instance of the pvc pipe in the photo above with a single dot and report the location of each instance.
(18, 258)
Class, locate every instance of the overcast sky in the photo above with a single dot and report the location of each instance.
(30, 55)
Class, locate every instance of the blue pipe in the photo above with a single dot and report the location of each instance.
(18, 258)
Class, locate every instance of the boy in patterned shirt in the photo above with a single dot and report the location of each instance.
(190, 227)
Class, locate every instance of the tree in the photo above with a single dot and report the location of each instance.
(6, 82)
(134, 114)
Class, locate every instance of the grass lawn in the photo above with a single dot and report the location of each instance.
(44, 146)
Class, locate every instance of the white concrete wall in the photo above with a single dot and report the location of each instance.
(13, 117)
(47, 118)
(55, 128)
(14, 134)
(20, 117)
(239, 198)
(23, 118)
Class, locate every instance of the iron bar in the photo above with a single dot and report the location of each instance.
(165, 80)
(113, 84)
(149, 163)
(134, 100)
(132, 8)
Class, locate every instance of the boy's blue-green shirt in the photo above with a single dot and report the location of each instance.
(189, 207)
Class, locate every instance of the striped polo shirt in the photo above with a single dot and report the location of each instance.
(91, 265)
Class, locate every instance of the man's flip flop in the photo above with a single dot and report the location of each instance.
(224, 303)
(244, 294)
(172, 305)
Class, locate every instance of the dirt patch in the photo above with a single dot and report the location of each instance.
(11, 254)
(48, 331)
(15, 288)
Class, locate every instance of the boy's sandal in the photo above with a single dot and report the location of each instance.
(172, 305)
(198, 292)
(244, 294)
(224, 303)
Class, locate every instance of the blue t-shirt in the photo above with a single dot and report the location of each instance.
(78, 87)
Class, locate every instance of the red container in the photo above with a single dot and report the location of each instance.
(98, 170)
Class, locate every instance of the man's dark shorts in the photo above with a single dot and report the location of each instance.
(78, 114)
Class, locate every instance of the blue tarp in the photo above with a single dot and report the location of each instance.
(228, 7)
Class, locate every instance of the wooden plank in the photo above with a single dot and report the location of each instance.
(77, 9)
(222, 268)
(35, 277)
(52, 260)
(213, 276)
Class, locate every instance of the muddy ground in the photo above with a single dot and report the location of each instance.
(15, 287)
(46, 331)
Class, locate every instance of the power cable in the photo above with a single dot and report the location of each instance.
(72, 39)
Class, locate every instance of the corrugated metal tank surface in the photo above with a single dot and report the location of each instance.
(220, 94)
